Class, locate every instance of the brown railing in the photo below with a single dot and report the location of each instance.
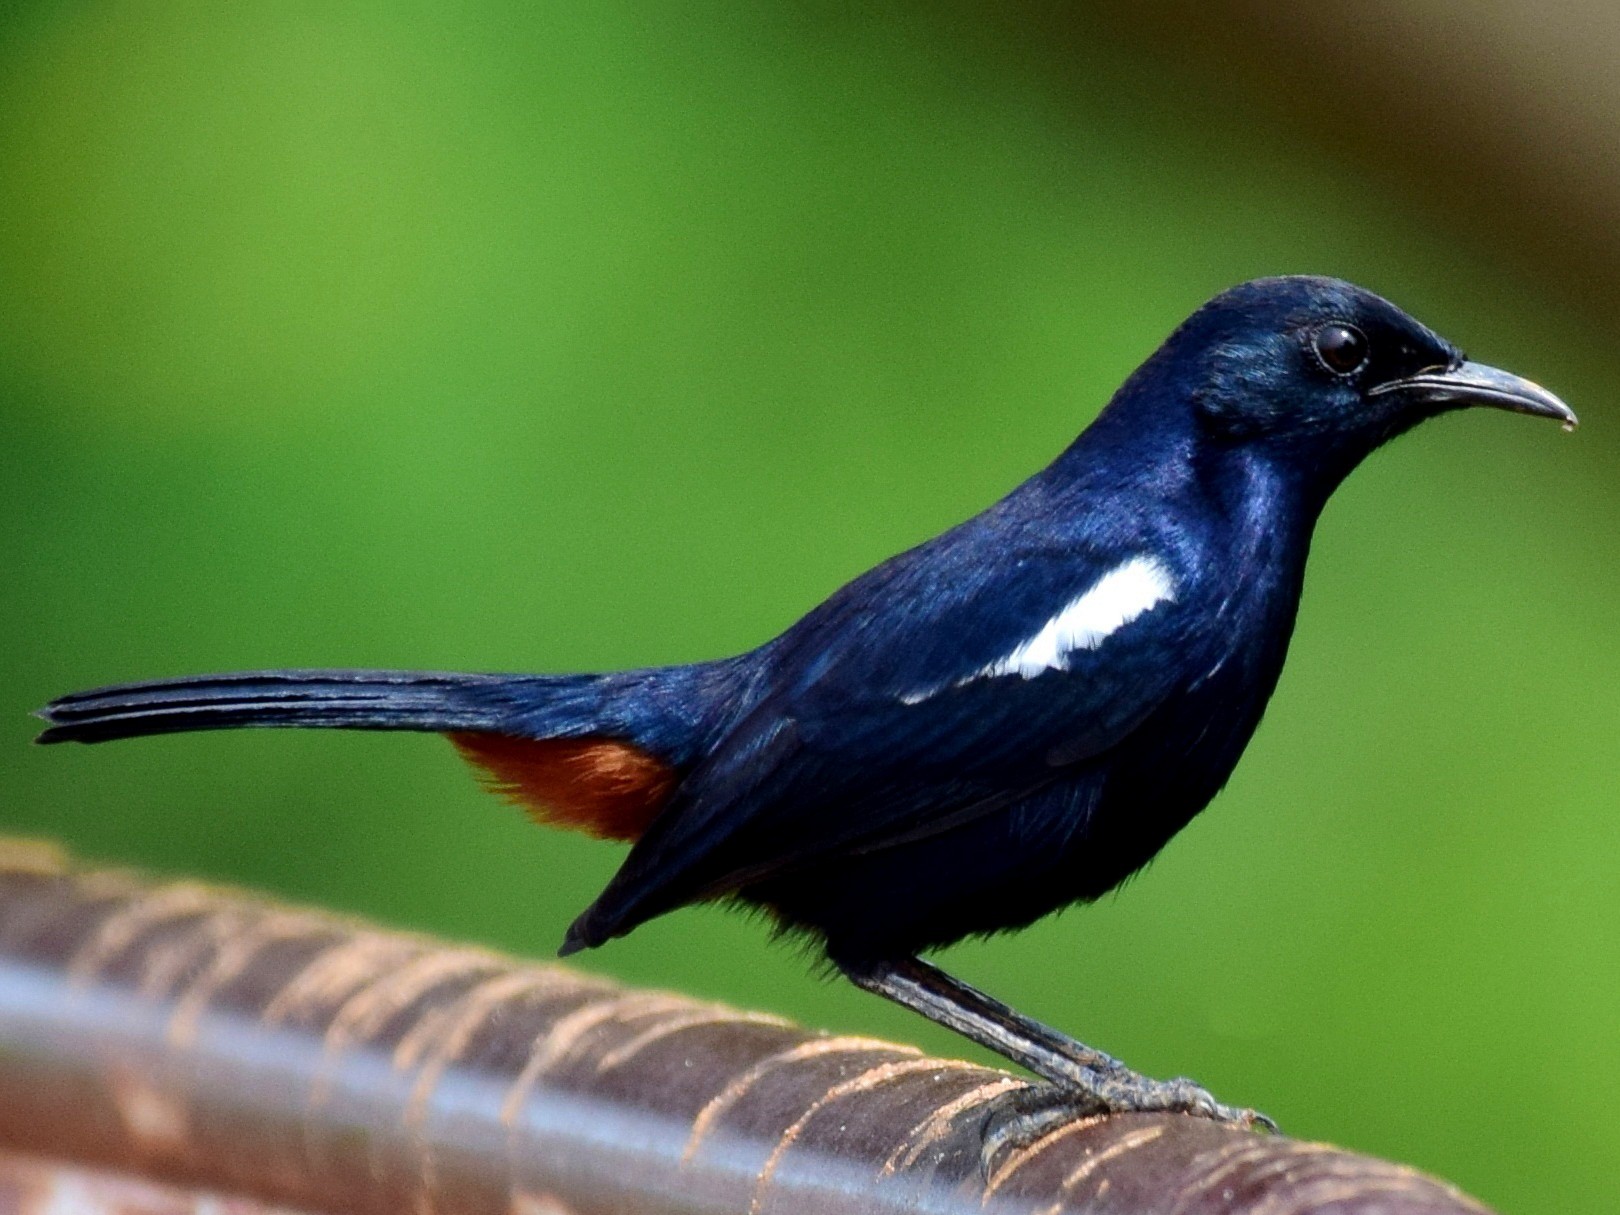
(167, 1045)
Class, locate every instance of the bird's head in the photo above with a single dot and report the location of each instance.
(1322, 372)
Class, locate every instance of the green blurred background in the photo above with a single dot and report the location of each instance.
(500, 336)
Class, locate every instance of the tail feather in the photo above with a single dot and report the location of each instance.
(356, 700)
(601, 753)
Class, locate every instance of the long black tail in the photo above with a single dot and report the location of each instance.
(356, 700)
(668, 711)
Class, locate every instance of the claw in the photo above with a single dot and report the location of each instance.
(1254, 1120)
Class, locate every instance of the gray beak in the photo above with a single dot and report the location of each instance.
(1476, 384)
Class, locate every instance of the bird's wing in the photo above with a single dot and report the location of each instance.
(908, 703)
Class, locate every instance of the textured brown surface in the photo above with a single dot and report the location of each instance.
(199, 1037)
(33, 1185)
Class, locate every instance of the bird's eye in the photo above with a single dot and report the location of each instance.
(1342, 348)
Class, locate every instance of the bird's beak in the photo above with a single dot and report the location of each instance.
(1476, 384)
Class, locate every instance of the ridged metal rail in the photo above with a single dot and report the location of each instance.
(175, 1047)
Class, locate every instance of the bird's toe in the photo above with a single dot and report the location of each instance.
(1023, 1116)
(1182, 1096)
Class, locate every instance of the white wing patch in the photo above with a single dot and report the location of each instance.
(1113, 601)
(1117, 598)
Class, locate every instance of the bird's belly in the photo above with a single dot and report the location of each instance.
(1002, 870)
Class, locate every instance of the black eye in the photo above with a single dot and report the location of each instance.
(1342, 348)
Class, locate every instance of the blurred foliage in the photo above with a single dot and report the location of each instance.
(498, 336)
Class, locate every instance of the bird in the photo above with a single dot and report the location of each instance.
(1010, 718)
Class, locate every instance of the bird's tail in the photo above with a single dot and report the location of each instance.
(599, 753)
(355, 700)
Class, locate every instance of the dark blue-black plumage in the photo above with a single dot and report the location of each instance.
(1011, 717)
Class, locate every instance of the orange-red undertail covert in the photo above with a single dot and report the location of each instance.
(601, 786)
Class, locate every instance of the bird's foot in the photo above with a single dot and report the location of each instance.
(1023, 1116)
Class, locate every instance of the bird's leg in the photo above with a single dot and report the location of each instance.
(1086, 1081)
(980, 1017)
